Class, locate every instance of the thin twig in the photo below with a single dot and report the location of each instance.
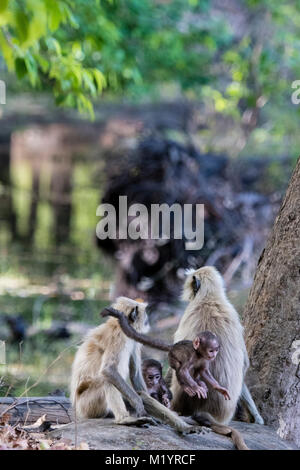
(27, 404)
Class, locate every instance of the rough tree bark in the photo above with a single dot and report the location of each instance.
(272, 320)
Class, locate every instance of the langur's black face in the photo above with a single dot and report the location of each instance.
(195, 285)
(133, 315)
(152, 376)
(139, 318)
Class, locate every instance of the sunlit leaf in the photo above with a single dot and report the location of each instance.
(100, 79)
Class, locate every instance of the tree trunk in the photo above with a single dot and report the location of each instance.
(272, 320)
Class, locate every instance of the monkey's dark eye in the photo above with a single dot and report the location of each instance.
(133, 314)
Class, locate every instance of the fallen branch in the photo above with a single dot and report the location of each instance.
(57, 409)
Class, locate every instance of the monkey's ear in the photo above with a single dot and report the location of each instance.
(196, 342)
(133, 314)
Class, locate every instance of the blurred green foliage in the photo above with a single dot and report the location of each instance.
(79, 47)
(240, 61)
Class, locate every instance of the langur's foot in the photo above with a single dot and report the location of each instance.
(137, 421)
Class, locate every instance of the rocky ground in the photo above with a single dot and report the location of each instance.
(103, 434)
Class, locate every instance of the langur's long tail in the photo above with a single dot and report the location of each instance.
(235, 435)
(159, 411)
(132, 333)
(205, 419)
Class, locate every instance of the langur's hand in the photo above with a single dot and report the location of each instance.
(202, 384)
(201, 392)
(224, 393)
(189, 390)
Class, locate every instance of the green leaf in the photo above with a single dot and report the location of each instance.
(53, 45)
(88, 80)
(22, 25)
(100, 79)
(20, 67)
(43, 63)
(67, 15)
(32, 69)
(84, 105)
(55, 16)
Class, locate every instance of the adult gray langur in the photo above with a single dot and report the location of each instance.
(209, 309)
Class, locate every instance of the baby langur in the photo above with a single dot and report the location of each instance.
(156, 386)
(191, 360)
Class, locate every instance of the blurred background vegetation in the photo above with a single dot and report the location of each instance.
(86, 79)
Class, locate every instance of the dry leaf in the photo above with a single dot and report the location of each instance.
(83, 446)
(37, 424)
(4, 419)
